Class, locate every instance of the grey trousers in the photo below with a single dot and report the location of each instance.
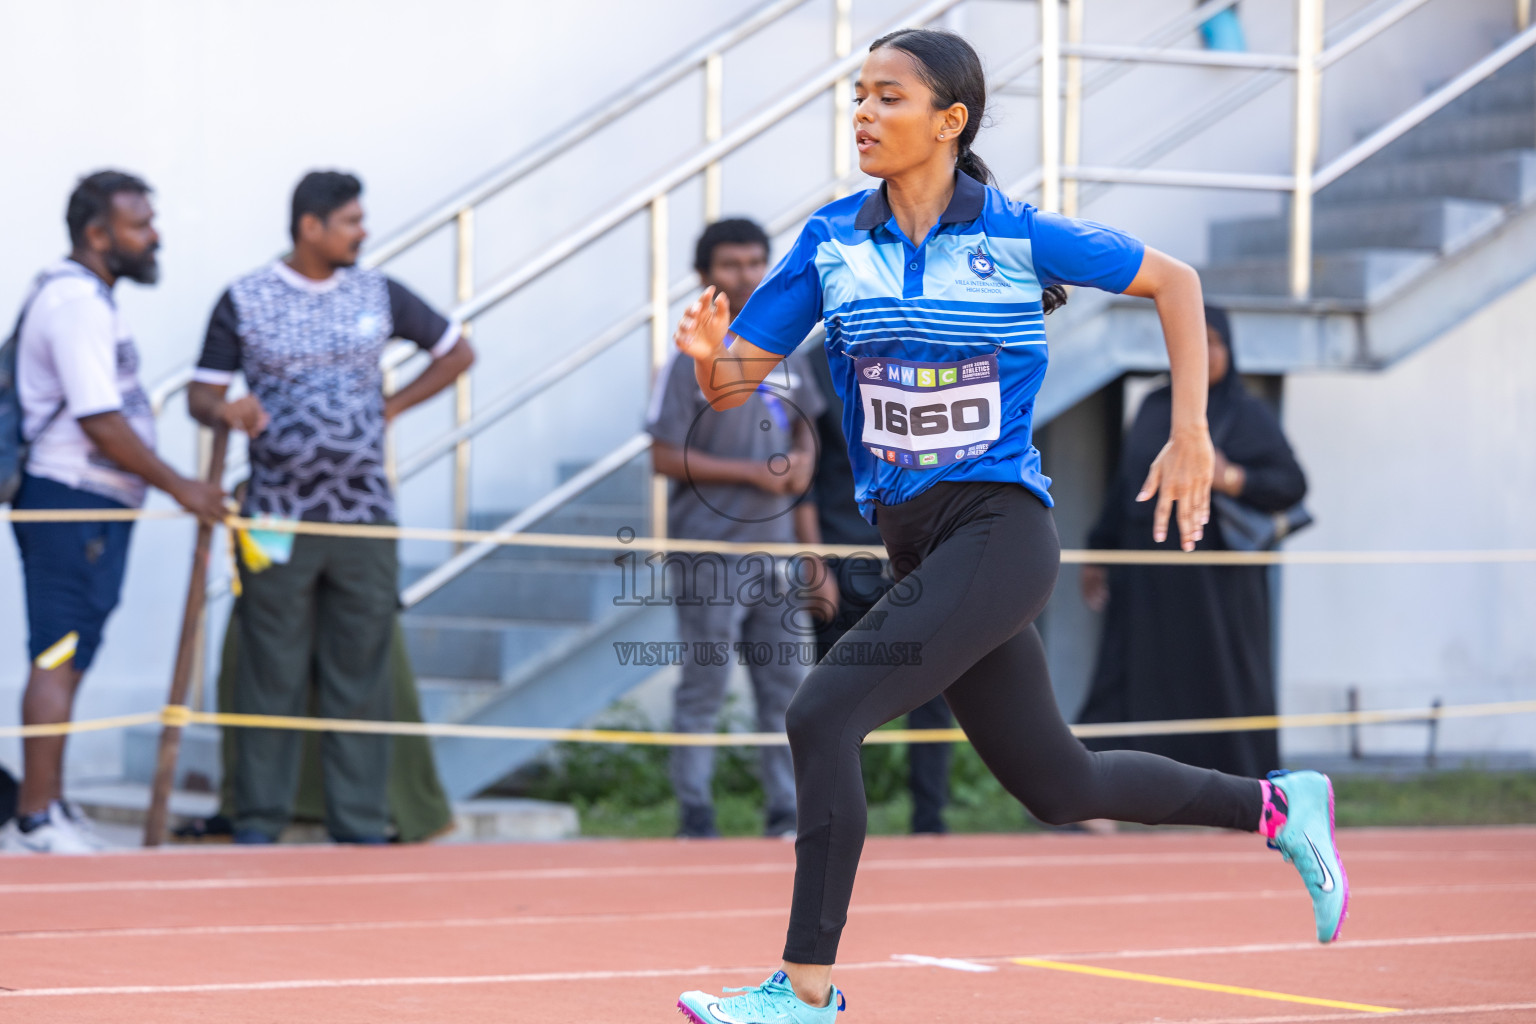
(722, 629)
(328, 613)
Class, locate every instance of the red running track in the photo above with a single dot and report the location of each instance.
(1442, 928)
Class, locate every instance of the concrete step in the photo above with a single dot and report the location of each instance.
(1477, 133)
(512, 819)
(531, 589)
(126, 801)
(1435, 224)
(1364, 275)
(120, 806)
(460, 647)
(600, 520)
(445, 699)
(628, 485)
(565, 687)
(198, 764)
(1508, 177)
(1512, 87)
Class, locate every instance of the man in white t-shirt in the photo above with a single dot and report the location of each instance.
(93, 435)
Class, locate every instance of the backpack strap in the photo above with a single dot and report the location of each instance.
(42, 281)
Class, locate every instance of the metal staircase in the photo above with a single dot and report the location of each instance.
(1435, 220)
(526, 635)
(1379, 251)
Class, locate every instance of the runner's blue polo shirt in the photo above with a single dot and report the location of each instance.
(937, 350)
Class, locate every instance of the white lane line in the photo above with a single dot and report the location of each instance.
(426, 982)
(938, 906)
(675, 972)
(1324, 1018)
(949, 963)
(785, 866)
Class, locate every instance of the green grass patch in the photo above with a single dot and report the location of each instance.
(1466, 797)
(624, 792)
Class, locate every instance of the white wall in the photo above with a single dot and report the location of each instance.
(1434, 453)
(223, 106)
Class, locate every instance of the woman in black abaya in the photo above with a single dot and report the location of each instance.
(1192, 641)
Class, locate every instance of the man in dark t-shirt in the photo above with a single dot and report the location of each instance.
(737, 475)
(308, 332)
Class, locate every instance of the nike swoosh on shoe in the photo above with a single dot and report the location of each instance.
(1327, 885)
(724, 1017)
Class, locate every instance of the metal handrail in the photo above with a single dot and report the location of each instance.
(599, 116)
(1417, 113)
(603, 114)
(664, 183)
(1345, 162)
(1194, 58)
(589, 476)
(1109, 175)
(718, 146)
(500, 407)
(1370, 30)
(1190, 179)
(1352, 30)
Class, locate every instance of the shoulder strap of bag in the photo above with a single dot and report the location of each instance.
(42, 281)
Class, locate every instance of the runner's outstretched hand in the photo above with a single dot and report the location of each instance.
(1182, 473)
(701, 332)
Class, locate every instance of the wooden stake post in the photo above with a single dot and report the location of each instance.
(186, 653)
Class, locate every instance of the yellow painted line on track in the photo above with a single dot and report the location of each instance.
(1203, 986)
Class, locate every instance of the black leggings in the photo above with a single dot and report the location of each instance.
(976, 563)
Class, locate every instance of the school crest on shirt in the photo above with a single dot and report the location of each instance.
(981, 262)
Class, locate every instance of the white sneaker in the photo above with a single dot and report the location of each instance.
(10, 839)
(83, 826)
(56, 835)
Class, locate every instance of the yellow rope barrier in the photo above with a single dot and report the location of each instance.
(87, 725)
(180, 716)
(670, 544)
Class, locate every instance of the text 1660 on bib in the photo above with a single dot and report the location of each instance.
(923, 415)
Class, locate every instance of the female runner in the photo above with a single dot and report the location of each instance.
(930, 289)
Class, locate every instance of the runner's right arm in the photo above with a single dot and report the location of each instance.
(727, 373)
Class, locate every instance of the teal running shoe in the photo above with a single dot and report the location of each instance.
(772, 1002)
(1303, 833)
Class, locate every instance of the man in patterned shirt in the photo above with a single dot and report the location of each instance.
(308, 332)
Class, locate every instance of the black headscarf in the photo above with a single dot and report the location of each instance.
(1225, 394)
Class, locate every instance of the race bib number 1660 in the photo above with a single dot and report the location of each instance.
(923, 415)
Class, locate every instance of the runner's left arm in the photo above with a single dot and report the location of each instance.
(1182, 471)
(1071, 251)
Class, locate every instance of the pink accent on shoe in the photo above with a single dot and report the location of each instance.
(688, 1013)
(1271, 818)
(1343, 875)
